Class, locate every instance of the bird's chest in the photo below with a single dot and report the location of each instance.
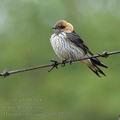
(60, 44)
(58, 41)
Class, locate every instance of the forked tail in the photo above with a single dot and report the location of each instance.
(94, 66)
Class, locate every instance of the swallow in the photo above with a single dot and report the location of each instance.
(68, 45)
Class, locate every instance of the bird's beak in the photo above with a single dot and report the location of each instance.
(54, 28)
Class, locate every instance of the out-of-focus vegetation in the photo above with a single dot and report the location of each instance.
(69, 93)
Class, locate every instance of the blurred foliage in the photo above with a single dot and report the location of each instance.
(70, 93)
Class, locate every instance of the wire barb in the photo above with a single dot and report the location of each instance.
(55, 64)
(4, 74)
(105, 54)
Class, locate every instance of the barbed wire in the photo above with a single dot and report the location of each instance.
(55, 64)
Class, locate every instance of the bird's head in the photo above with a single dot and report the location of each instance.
(63, 26)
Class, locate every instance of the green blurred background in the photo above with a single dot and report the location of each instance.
(69, 93)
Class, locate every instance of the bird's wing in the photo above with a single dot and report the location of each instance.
(75, 38)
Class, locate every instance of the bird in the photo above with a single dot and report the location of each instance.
(68, 46)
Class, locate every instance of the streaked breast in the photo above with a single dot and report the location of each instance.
(64, 48)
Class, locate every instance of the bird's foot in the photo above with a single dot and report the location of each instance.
(70, 62)
(54, 65)
(63, 63)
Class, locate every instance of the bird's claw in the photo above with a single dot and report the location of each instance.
(70, 62)
(54, 65)
(63, 63)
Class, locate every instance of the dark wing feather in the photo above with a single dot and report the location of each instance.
(75, 38)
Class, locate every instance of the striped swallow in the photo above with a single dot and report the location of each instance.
(68, 45)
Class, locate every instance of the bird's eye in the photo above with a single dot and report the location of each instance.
(61, 27)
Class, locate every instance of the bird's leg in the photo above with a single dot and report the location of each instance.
(70, 62)
(63, 63)
(54, 65)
